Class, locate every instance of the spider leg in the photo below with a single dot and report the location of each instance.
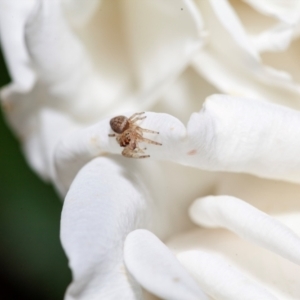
(142, 139)
(128, 152)
(139, 150)
(147, 130)
(137, 119)
(112, 135)
(136, 114)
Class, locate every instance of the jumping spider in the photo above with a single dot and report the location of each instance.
(128, 134)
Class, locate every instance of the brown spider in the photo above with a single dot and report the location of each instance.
(129, 134)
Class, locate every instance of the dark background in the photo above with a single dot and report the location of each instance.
(32, 263)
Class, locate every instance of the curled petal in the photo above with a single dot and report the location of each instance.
(231, 61)
(240, 135)
(219, 279)
(13, 17)
(271, 271)
(105, 202)
(62, 63)
(248, 222)
(63, 77)
(276, 39)
(156, 268)
(287, 11)
(267, 34)
(230, 22)
(54, 71)
(79, 147)
(228, 134)
(266, 195)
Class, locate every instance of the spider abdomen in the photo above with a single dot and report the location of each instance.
(119, 124)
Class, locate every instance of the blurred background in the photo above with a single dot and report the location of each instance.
(32, 262)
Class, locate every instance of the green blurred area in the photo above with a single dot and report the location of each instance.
(32, 262)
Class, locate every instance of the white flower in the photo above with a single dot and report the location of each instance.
(76, 65)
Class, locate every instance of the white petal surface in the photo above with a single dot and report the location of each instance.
(228, 134)
(105, 202)
(241, 135)
(79, 147)
(13, 16)
(64, 69)
(156, 268)
(231, 62)
(79, 12)
(248, 222)
(139, 47)
(286, 10)
(266, 32)
(276, 198)
(219, 279)
(185, 95)
(158, 47)
(229, 20)
(53, 55)
(277, 275)
(276, 39)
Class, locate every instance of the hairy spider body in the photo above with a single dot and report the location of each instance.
(119, 124)
(128, 134)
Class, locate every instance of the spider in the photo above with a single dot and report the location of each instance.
(128, 134)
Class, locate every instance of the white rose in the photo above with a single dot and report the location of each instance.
(75, 65)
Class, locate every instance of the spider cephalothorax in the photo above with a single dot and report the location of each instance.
(129, 134)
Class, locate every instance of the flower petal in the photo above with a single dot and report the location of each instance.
(248, 222)
(155, 267)
(219, 279)
(185, 95)
(161, 49)
(275, 39)
(287, 11)
(276, 274)
(228, 19)
(63, 66)
(229, 134)
(232, 64)
(243, 135)
(78, 12)
(266, 32)
(77, 148)
(105, 202)
(61, 71)
(264, 194)
(13, 17)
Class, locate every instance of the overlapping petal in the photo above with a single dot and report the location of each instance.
(228, 256)
(277, 198)
(13, 18)
(67, 79)
(162, 49)
(276, 39)
(270, 31)
(248, 222)
(156, 268)
(219, 279)
(287, 11)
(59, 72)
(69, 73)
(231, 62)
(105, 202)
(228, 134)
